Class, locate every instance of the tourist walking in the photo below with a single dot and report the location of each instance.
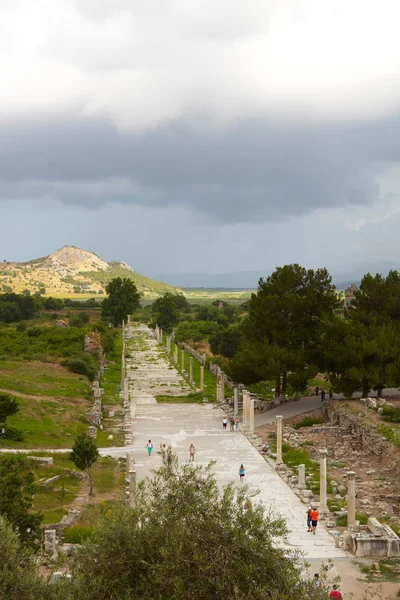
(163, 452)
(192, 452)
(314, 519)
(317, 391)
(330, 394)
(169, 456)
(309, 519)
(316, 581)
(224, 423)
(241, 472)
(335, 593)
(322, 396)
(149, 447)
(232, 424)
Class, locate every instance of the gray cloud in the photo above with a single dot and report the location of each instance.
(256, 170)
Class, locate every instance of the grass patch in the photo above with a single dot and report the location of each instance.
(76, 534)
(308, 422)
(389, 570)
(342, 521)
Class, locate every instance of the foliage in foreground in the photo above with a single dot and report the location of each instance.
(186, 540)
(16, 496)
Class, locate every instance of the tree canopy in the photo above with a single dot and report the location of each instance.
(165, 311)
(84, 455)
(283, 328)
(123, 299)
(187, 540)
(16, 496)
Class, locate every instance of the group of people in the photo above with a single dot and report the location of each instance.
(335, 593)
(322, 393)
(166, 452)
(233, 423)
(312, 519)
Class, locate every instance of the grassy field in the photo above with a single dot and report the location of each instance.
(53, 403)
(54, 499)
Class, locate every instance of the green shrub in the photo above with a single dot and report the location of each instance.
(391, 414)
(308, 422)
(76, 534)
(84, 364)
(13, 434)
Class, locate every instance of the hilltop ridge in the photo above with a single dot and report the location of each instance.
(71, 270)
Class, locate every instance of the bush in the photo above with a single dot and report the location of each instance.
(85, 364)
(13, 434)
(308, 422)
(391, 414)
(76, 534)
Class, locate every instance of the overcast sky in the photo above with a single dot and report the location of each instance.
(201, 136)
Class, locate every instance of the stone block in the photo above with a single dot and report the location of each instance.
(330, 524)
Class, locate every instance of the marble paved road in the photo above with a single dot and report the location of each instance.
(182, 424)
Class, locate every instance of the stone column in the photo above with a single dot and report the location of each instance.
(351, 498)
(235, 402)
(191, 368)
(245, 408)
(126, 389)
(168, 344)
(302, 477)
(183, 359)
(218, 390)
(161, 336)
(129, 463)
(279, 439)
(176, 355)
(222, 385)
(132, 488)
(251, 414)
(129, 320)
(50, 541)
(323, 508)
(202, 378)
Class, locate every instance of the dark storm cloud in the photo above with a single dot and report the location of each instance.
(255, 170)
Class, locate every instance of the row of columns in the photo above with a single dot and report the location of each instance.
(323, 453)
(159, 337)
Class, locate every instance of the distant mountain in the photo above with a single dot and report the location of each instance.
(249, 279)
(71, 270)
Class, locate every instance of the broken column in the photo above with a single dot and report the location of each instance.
(50, 541)
(168, 344)
(132, 488)
(323, 508)
(183, 359)
(235, 401)
(129, 463)
(251, 414)
(191, 369)
(351, 498)
(161, 336)
(279, 439)
(202, 378)
(302, 477)
(176, 355)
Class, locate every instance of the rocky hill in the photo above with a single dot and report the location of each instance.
(71, 271)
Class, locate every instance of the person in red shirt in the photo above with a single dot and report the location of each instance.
(314, 519)
(335, 593)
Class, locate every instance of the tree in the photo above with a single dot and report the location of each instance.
(84, 455)
(123, 299)
(165, 312)
(362, 357)
(16, 496)
(8, 407)
(185, 539)
(284, 326)
(226, 341)
(377, 299)
(19, 577)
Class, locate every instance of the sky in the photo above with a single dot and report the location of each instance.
(201, 137)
